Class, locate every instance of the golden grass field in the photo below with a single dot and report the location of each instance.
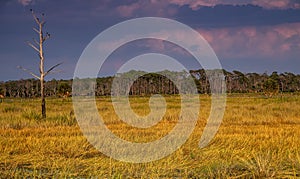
(258, 138)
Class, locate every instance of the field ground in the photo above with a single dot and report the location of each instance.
(259, 138)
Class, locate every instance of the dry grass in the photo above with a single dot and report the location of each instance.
(259, 138)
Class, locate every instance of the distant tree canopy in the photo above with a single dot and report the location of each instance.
(153, 83)
(64, 88)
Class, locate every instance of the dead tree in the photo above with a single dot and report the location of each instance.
(38, 46)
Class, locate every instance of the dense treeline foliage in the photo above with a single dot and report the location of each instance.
(152, 83)
(238, 82)
(31, 88)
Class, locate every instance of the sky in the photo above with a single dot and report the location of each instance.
(246, 35)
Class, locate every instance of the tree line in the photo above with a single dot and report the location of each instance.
(238, 82)
(30, 88)
(159, 83)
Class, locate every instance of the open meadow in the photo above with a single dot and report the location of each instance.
(258, 138)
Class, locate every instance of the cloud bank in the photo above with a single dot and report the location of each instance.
(270, 41)
(25, 2)
(267, 4)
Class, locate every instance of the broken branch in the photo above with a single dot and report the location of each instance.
(34, 47)
(50, 69)
(28, 71)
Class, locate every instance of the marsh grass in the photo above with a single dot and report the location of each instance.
(259, 138)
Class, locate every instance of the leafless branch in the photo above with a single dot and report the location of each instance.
(36, 42)
(28, 71)
(37, 20)
(55, 71)
(50, 69)
(34, 47)
(36, 30)
(47, 36)
(43, 19)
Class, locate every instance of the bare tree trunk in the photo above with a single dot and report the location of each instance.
(42, 71)
(43, 98)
